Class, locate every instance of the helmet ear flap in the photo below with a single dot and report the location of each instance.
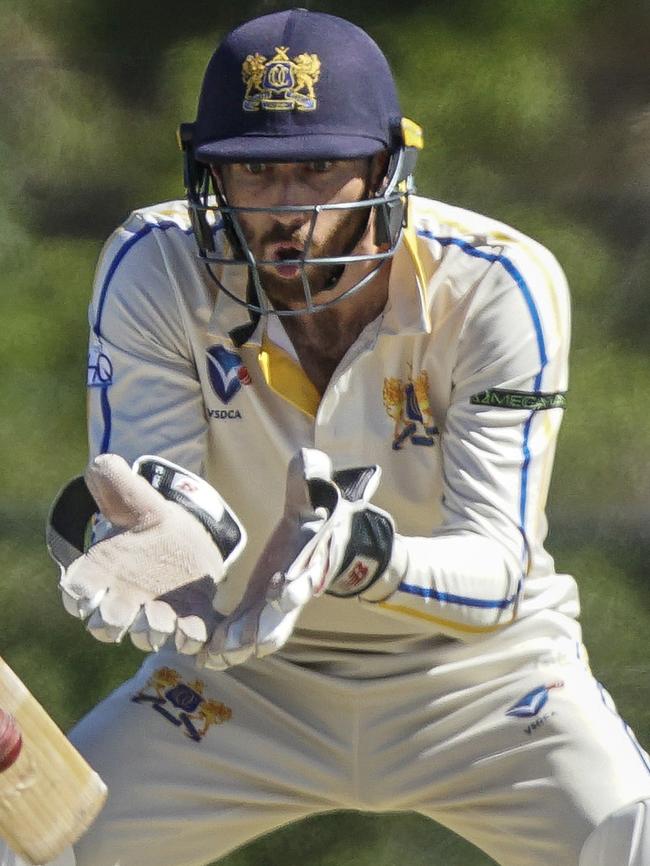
(388, 222)
(391, 214)
(196, 176)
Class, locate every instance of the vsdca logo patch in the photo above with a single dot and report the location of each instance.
(531, 703)
(226, 371)
(182, 704)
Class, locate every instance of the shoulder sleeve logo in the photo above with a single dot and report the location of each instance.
(532, 401)
(100, 368)
(281, 83)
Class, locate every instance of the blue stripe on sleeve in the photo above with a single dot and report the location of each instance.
(121, 253)
(450, 598)
(516, 276)
(523, 493)
(103, 294)
(106, 416)
(519, 280)
(609, 705)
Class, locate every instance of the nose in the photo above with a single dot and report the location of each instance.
(291, 220)
(289, 190)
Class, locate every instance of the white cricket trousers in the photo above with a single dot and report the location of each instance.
(518, 749)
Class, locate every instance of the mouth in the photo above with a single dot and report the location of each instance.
(287, 256)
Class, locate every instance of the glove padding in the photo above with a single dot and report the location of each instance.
(154, 574)
(330, 540)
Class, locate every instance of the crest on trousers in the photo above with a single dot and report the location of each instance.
(281, 83)
(182, 704)
(226, 371)
(407, 403)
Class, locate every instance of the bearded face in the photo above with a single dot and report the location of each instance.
(280, 238)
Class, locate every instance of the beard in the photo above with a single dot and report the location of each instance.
(288, 293)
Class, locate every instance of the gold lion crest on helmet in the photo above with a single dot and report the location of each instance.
(281, 83)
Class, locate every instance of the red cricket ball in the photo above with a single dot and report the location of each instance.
(11, 741)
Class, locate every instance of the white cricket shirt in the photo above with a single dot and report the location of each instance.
(456, 391)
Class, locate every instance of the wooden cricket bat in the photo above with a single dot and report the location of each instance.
(49, 795)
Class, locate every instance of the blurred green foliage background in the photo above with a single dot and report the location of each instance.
(537, 113)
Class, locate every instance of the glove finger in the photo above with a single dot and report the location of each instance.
(233, 641)
(103, 631)
(314, 537)
(191, 635)
(83, 586)
(275, 629)
(153, 625)
(77, 605)
(115, 614)
(221, 661)
(211, 661)
(238, 655)
(295, 593)
(210, 655)
(308, 574)
(124, 498)
(241, 637)
(309, 484)
(311, 463)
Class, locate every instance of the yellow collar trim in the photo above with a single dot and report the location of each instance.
(287, 378)
(411, 244)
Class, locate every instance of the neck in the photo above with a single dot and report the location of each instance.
(322, 339)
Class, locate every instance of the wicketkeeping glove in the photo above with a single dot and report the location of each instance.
(170, 540)
(355, 545)
(330, 540)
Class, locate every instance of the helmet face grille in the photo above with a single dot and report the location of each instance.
(224, 248)
(228, 250)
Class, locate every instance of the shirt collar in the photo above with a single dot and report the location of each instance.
(411, 283)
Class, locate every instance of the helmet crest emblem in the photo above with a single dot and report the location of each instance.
(281, 83)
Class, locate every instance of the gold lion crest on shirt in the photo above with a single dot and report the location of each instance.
(281, 83)
(407, 403)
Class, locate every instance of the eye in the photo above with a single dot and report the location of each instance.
(320, 166)
(255, 167)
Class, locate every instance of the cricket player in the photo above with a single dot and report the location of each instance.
(323, 414)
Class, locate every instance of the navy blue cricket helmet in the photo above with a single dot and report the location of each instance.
(296, 86)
